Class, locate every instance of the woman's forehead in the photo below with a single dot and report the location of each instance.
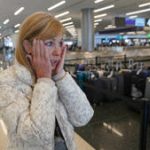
(58, 38)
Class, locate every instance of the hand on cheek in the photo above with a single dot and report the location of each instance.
(60, 65)
(40, 60)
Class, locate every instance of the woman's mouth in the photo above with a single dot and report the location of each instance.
(54, 63)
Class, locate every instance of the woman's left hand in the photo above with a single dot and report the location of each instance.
(60, 65)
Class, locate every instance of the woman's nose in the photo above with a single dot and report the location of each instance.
(57, 51)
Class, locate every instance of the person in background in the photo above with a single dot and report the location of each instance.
(40, 103)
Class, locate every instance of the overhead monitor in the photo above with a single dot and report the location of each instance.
(119, 21)
(129, 22)
(140, 22)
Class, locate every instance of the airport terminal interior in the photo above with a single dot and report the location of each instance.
(108, 55)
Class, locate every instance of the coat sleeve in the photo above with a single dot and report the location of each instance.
(33, 122)
(78, 107)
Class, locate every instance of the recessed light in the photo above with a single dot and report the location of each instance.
(138, 12)
(145, 4)
(17, 25)
(62, 14)
(101, 15)
(104, 8)
(98, 1)
(64, 20)
(95, 24)
(6, 21)
(56, 5)
(69, 23)
(16, 31)
(19, 11)
(98, 20)
(71, 26)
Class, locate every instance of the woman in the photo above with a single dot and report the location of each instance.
(40, 102)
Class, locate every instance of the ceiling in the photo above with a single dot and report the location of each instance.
(8, 7)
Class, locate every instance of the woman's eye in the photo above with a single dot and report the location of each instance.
(49, 44)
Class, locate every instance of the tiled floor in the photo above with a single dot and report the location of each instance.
(113, 127)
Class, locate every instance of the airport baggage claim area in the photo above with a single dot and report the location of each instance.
(108, 55)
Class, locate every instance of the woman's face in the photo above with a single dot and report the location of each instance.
(54, 46)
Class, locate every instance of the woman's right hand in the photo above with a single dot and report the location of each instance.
(40, 60)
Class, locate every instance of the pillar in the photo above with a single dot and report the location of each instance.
(87, 29)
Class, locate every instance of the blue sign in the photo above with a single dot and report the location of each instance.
(129, 22)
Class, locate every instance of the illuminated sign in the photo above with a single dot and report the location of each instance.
(129, 22)
(140, 22)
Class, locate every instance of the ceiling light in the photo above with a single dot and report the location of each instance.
(62, 14)
(95, 24)
(56, 5)
(16, 31)
(6, 21)
(98, 20)
(73, 33)
(64, 20)
(17, 25)
(71, 26)
(98, 1)
(104, 8)
(101, 15)
(19, 11)
(69, 23)
(131, 17)
(138, 12)
(145, 4)
(71, 30)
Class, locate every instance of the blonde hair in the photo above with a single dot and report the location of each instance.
(39, 25)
